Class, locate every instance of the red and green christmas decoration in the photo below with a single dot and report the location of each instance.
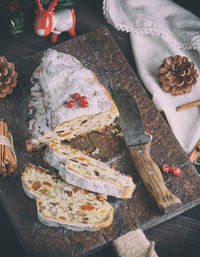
(15, 10)
(51, 22)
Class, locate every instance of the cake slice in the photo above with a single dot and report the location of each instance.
(56, 80)
(63, 205)
(83, 171)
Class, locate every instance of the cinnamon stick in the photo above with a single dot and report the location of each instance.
(195, 153)
(8, 161)
(187, 105)
(2, 165)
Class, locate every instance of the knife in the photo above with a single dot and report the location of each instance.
(139, 145)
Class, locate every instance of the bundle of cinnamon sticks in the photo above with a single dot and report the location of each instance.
(195, 152)
(8, 161)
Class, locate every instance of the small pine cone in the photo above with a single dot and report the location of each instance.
(177, 75)
(8, 77)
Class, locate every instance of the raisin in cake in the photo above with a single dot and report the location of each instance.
(57, 78)
(63, 205)
(83, 171)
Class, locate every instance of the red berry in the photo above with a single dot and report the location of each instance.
(172, 168)
(76, 96)
(177, 172)
(83, 98)
(84, 104)
(70, 103)
(165, 168)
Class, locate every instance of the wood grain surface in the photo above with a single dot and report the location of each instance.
(97, 51)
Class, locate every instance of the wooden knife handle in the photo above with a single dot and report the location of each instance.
(153, 179)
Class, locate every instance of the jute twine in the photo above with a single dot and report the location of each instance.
(8, 142)
(134, 244)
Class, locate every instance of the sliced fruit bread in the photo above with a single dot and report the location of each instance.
(59, 79)
(63, 205)
(77, 168)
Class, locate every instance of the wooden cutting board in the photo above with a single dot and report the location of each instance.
(97, 51)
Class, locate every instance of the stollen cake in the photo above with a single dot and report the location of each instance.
(79, 169)
(58, 77)
(63, 205)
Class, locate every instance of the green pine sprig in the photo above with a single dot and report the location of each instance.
(65, 4)
(16, 25)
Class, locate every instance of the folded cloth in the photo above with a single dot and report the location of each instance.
(134, 243)
(159, 29)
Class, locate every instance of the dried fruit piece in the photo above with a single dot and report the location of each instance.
(62, 218)
(75, 189)
(83, 159)
(47, 183)
(73, 160)
(36, 185)
(66, 134)
(101, 197)
(87, 207)
(84, 222)
(69, 193)
(96, 173)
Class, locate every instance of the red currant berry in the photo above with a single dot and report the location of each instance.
(84, 104)
(76, 96)
(70, 103)
(172, 168)
(177, 172)
(83, 98)
(165, 168)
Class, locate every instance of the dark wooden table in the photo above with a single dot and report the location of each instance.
(179, 236)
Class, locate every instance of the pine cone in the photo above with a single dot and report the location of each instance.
(8, 77)
(177, 75)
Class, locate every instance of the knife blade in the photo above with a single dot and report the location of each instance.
(139, 145)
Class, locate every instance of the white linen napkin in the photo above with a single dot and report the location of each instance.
(159, 29)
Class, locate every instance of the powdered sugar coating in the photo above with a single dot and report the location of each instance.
(57, 78)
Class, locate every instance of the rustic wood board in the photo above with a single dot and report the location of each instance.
(97, 51)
